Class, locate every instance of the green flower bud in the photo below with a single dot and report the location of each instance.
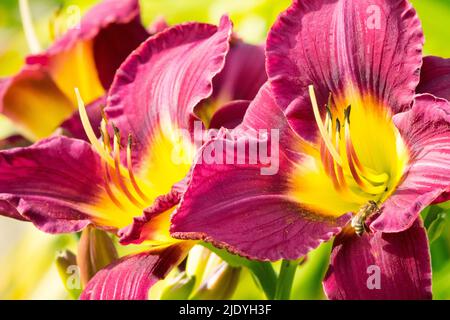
(179, 288)
(96, 250)
(219, 284)
(66, 264)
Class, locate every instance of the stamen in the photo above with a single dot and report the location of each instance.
(323, 150)
(330, 165)
(89, 131)
(110, 193)
(366, 172)
(117, 169)
(105, 136)
(352, 162)
(130, 170)
(325, 137)
(343, 187)
(104, 130)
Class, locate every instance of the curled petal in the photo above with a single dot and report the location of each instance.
(153, 97)
(435, 77)
(241, 78)
(131, 277)
(154, 224)
(369, 50)
(244, 73)
(380, 266)
(426, 131)
(250, 213)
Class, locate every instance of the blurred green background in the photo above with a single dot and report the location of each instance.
(26, 255)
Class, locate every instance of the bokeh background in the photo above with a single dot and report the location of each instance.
(27, 269)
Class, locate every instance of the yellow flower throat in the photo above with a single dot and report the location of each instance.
(360, 157)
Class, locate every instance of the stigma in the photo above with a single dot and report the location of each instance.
(340, 159)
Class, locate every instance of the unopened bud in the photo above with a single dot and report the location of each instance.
(197, 261)
(66, 264)
(220, 284)
(96, 250)
(179, 288)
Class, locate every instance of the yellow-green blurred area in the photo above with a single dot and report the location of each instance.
(252, 19)
(27, 256)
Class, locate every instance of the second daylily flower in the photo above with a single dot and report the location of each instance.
(40, 97)
(360, 154)
(63, 184)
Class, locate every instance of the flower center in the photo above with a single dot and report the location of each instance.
(358, 159)
(339, 157)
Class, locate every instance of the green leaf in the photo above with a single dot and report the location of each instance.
(430, 214)
(435, 221)
(262, 271)
(437, 227)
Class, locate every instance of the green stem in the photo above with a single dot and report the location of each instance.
(285, 279)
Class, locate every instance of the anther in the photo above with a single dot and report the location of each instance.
(117, 166)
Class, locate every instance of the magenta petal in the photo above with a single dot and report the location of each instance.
(402, 261)
(372, 46)
(48, 183)
(142, 227)
(236, 207)
(115, 28)
(240, 80)
(131, 277)
(229, 115)
(243, 75)
(435, 77)
(426, 130)
(152, 86)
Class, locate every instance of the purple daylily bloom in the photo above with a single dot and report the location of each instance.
(40, 97)
(361, 152)
(63, 184)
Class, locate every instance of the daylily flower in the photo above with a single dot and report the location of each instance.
(63, 184)
(361, 154)
(40, 97)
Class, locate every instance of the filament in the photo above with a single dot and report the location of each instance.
(89, 131)
(130, 170)
(117, 165)
(323, 133)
